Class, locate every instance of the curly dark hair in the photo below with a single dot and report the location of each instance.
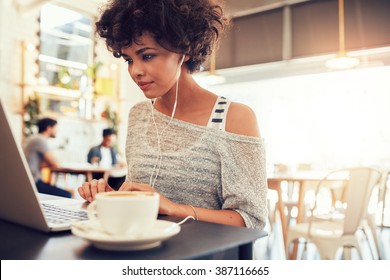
(191, 27)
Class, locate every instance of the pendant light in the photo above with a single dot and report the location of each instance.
(212, 77)
(342, 60)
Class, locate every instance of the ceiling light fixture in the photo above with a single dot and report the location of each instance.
(212, 77)
(342, 60)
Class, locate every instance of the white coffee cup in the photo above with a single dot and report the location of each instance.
(125, 212)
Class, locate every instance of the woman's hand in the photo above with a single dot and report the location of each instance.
(167, 207)
(88, 190)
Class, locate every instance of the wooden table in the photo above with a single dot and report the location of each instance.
(275, 183)
(87, 171)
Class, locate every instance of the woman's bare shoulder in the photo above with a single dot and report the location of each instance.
(241, 119)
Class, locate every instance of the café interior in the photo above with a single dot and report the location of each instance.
(317, 79)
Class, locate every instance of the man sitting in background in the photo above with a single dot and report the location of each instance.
(104, 155)
(39, 155)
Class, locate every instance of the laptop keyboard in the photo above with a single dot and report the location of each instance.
(58, 215)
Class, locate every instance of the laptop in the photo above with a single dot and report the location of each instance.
(20, 201)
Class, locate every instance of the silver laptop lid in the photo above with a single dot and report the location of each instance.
(18, 200)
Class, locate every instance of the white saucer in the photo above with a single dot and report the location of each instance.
(93, 233)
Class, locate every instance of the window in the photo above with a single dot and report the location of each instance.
(66, 47)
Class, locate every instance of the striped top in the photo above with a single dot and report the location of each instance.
(200, 165)
(218, 117)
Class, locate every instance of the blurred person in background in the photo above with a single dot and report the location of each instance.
(39, 155)
(105, 155)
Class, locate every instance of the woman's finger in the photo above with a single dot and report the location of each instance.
(94, 188)
(81, 192)
(101, 185)
(126, 186)
(86, 190)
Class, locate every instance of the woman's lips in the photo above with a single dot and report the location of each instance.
(144, 86)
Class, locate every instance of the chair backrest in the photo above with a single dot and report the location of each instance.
(360, 185)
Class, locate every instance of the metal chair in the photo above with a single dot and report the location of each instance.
(328, 228)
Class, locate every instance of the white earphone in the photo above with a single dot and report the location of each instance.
(156, 167)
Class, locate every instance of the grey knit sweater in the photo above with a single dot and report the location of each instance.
(199, 165)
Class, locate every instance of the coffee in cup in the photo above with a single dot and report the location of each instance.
(125, 212)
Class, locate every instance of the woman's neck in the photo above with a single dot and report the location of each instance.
(188, 89)
(194, 103)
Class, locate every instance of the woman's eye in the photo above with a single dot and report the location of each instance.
(128, 60)
(148, 56)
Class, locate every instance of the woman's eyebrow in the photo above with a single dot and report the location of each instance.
(140, 51)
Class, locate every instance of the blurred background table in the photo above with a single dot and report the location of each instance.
(87, 170)
(298, 180)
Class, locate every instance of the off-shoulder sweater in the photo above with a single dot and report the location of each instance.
(199, 165)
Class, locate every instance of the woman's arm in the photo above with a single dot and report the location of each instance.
(227, 217)
(89, 190)
(168, 207)
(243, 172)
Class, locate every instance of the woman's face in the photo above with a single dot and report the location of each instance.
(154, 69)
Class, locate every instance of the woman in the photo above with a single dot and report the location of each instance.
(201, 152)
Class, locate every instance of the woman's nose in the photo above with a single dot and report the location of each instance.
(136, 70)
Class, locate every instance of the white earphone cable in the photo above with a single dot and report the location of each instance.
(160, 134)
